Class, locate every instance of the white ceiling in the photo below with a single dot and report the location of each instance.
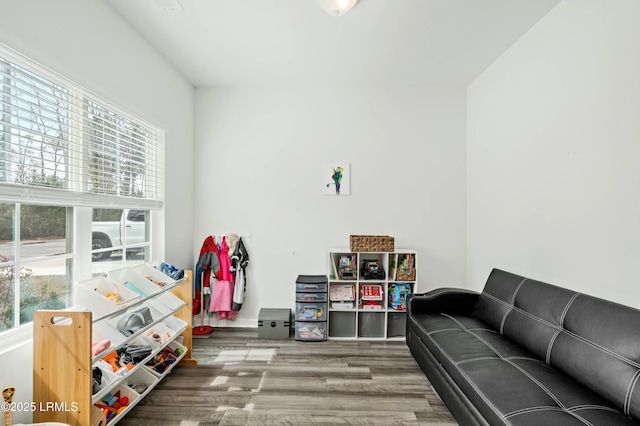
(294, 42)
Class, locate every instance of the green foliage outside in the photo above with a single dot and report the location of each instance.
(36, 222)
(36, 292)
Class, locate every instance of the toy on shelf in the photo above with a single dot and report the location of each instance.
(342, 292)
(112, 405)
(371, 292)
(164, 359)
(371, 297)
(371, 305)
(114, 297)
(347, 268)
(372, 270)
(398, 293)
(348, 272)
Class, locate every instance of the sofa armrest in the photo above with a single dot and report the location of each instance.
(454, 301)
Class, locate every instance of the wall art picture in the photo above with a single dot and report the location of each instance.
(336, 179)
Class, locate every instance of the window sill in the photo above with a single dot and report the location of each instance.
(11, 339)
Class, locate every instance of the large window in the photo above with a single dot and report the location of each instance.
(64, 148)
(54, 135)
(35, 261)
(120, 237)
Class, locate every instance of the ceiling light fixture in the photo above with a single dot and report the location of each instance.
(337, 7)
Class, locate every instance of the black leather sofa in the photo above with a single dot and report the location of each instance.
(527, 353)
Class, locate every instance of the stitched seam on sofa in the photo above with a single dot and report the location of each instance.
(482, 358)
(513, 303)
(540, 385)
(630, 388)
(515, 293)
(550, 408)
(479, 358)
(469, 381)
(579, 417)
(532, 409)
(547, 359)
(526, 373)
(506, 360)
(457, 329)
(557, 333)
(593, 407)
(533, 379)
(569, 410)
(547, 391)
(582, 339)
(530, 315)
(444, 330)
(602, 348)
(566, 309)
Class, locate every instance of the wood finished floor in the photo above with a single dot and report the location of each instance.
(243, 380)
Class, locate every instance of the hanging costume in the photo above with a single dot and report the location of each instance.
(239, 262)
(208, 263)
(222, 276)
(222, 293)
(221, 297)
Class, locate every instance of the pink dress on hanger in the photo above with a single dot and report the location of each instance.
(222, 295)
(225, 262)
(221, 299)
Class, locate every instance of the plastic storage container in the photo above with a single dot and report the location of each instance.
(311, 307)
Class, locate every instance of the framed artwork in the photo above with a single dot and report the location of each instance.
(336, 179)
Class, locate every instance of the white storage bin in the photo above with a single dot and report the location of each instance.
(166, 305)
(103, 331)
(171, 301)
(125, 391)
(142, 381)
(92, 294)
(152, 274)
(175, 324)
(133, 281)
(159, 334)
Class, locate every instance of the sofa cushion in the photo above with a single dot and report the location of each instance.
(594, 341)
(506, 383)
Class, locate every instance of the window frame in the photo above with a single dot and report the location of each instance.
(20, 261)
(75, 196)
(81, 134)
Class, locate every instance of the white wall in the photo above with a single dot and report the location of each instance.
(554, 153)
(87, 42)
(260, 156)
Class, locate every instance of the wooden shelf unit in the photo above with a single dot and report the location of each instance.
(63, 362)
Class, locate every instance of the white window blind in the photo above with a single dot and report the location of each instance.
(61, 144)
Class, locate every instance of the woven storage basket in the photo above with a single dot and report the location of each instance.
(371, 243)
(406, 274)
